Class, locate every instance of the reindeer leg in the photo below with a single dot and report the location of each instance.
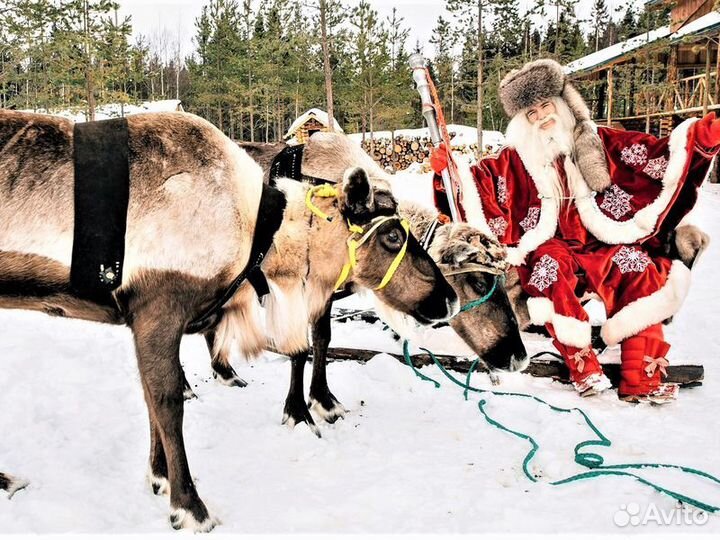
(296, 410)
(157, 475)
(322, 401)
(222, 370)
(11, 484)
(158, 330)
(188, 393)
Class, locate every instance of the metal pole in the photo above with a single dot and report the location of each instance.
(417, 63)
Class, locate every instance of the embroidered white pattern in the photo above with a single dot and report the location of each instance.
(629, 259)
(498, 226)
(501, 190)
(634, 155)
(656, 168)
(532, 218)
(616, 201)
(544, 273)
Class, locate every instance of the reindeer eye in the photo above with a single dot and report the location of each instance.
(478, 285)
(392, 240)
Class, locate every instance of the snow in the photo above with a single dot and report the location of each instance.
(318, 114)
(117, 110)
(598, 58)
(408, 458)
(464, 135)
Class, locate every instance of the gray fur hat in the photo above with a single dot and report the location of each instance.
(543, 79)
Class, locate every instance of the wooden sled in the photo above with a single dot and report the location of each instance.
(546, 365)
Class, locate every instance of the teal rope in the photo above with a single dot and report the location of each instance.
(590, 460)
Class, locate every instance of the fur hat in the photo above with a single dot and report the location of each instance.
(543, 79)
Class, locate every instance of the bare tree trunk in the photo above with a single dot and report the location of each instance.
(252, 111)
(89, 83)
(326, 66)
(479, 150)
(267, 121)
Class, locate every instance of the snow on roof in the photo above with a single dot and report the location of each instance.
(603, 56)
(116, 110)
(318, 114)
(463, 135)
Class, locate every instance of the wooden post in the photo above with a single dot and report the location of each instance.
(717, 71)
(706, 95)
(609, 95)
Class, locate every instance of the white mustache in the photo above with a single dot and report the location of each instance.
(548, 119)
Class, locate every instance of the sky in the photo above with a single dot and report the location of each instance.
(177, 17)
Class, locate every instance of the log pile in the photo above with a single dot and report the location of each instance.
(399, 153)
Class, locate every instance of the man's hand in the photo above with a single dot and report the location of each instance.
(439, 158)
(707, 131)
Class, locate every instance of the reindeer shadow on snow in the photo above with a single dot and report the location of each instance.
(196, 205)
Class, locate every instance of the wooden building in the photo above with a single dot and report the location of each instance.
(308, 123)
(655, 80)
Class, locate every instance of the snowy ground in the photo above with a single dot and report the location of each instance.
(407, 458)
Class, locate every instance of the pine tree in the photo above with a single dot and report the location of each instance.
(473, 12)
(600, 18)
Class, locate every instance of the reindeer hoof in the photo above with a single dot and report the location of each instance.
(159, 484)
(327, 407)
(188, 394)
(296, 412)
(181, 518)
(12, 484)
(227, 376)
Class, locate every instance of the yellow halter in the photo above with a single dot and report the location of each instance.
(326, 190)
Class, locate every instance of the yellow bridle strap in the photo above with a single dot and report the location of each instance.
(354, 244)
(398, 258)
(325, 191)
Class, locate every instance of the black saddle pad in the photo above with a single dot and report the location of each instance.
(102, 190)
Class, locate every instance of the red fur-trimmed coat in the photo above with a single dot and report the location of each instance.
(608, 243)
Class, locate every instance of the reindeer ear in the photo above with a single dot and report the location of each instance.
(358, 194)
(458, 253)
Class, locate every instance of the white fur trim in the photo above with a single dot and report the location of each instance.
(544, 231)
(651, 309)
(471, 202)
(643, 223)
(569, 330)
(540, 310)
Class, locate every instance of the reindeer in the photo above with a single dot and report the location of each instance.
(473, 263)
(195, 200)
(470, 260)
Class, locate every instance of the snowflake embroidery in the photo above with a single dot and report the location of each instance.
(544, 273)
(532, 218)
(629, 259)
(501, 189)
(634, 155)
(616, 202)
(498, 226)
(656, 168)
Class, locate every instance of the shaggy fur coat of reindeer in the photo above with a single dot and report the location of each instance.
(192, 214)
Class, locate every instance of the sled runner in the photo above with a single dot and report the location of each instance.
(544, 364)
(687, 376)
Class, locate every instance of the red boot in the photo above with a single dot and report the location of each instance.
(586, 374)
(643, 365)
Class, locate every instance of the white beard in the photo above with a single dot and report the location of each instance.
(539, 148)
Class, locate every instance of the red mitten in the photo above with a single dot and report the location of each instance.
(439, 158)
(707, 131)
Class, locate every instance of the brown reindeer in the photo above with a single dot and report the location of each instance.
(193, 208)
(469, 259)
(490, 330)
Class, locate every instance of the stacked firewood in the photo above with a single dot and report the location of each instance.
(399, 153)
